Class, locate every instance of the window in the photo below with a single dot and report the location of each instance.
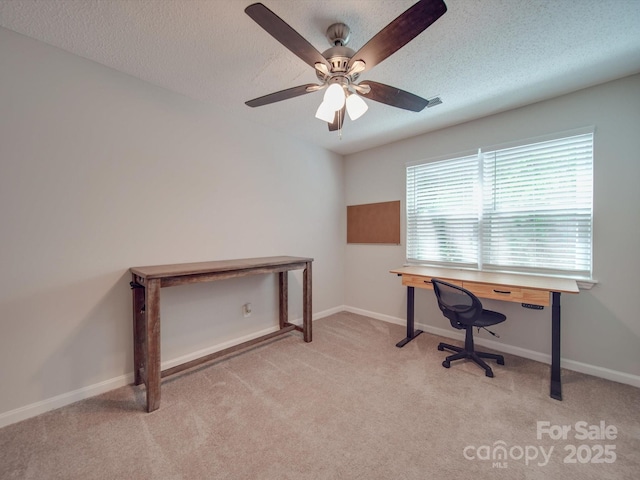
(525, 208)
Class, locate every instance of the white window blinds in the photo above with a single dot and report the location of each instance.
(526, 209)
(442, 212)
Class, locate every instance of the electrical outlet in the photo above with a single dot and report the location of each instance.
(246, 310)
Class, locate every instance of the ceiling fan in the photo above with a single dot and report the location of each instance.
(339, 67)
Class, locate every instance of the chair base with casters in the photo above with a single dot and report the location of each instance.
(465, 312)
(469, 352)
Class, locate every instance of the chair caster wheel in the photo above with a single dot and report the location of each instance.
(441, 348)
(500, 361)
(489, 373)
(446, 364)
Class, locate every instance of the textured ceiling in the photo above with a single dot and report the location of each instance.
(481, 57)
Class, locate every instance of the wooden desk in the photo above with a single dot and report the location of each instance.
(528, 289)
(147, 282)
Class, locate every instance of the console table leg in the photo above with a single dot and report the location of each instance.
(283, 290)
(411, 333)
(306, 302)
(556, 381)
(139, 337)
(152, 345)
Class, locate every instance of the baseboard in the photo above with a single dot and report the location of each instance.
(601, 372)
(43, 406)
(46, 405)
(326, 313)
(236, 341)
(607, 374)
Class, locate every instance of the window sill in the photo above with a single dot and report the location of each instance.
(586, 284)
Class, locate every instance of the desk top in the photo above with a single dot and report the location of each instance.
(552, 284)
(184, 269)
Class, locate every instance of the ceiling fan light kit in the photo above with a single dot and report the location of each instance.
(325, 113)
(356, 106)
(334, 97)
(339, 67)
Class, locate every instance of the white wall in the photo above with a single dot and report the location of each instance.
(100, 172)
(600, 327)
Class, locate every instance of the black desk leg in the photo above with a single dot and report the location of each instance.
(556, 382)
(411, 333)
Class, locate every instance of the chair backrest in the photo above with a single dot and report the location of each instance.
(459, 305)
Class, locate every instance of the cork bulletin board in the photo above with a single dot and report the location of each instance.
(374, 223)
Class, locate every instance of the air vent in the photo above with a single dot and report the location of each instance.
(433, 102)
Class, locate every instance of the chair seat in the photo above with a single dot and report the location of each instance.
(486, 319)
(489, 317)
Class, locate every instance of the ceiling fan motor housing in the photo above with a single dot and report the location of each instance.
(338, 57)
(339, 54)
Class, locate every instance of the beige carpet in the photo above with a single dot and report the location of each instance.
(349, 405)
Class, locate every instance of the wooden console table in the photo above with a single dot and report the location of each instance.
(147, 282)
(525, 289)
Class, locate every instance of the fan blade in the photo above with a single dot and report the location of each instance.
(281, 95)
(338, 120)
(395, 97)
(400, 32)
(286, 35)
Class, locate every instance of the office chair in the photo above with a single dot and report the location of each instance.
(464, 311)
